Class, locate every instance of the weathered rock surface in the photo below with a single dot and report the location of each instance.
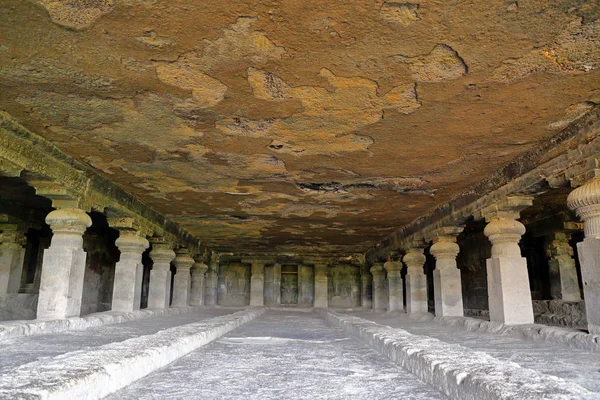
(263, 121)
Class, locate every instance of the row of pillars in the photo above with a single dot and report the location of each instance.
(509, 292)
(63, 267)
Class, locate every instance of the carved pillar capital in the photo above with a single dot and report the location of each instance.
(183, 260)
(162, 252)
(131, 242)
(414, 260)
(585, 201)
(393, 266)
(68, 221)
(504, 234)
(377, 269)
(199, 268)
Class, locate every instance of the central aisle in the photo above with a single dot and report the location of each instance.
(291, 355)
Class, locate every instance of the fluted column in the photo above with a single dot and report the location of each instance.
(379, 287)
(160, 276)
(564, 283)
(129, 271)
(61, 283)
(446, 276)
(182, 281)
(416, 288)
(367, 289)
(210, 296)
(197, 283)
(509, 295)
(395, 288)
(257, 283)
(12, 255)
(321, 286)
(585, 200)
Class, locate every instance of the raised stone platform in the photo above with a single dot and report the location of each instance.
(12, 329)
(455, 370)
(96, 373)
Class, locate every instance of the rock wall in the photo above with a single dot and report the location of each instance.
(272, 285)
(344, 286)
(233, 284)
(306, 286)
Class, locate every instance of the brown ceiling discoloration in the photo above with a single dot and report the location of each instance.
(290, 126)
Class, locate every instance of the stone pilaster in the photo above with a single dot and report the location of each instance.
(12, 255)
(159, 291)
(416, 288)
(197, 283)
(366, 289)
(585, 200)
(61, 284)
(564, 284)
(129, 271)
(182, 280)
(257, 283)
(210, 297)
(509, 294)
(321, 286)
(446, 276)
(395, 287)
(379, 287)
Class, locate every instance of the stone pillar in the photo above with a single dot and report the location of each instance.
(416, 288)
(367, 289)
(182, 283)
(129, 271)
(12, 255)
(160, 276)
(257, 283)
(379, 292)
(321, 286)
(446, 276)
(197, 283)
(585, 200)
(210, 297)
(63, 267)
(509, 293)
(564, 284)
(395, 289)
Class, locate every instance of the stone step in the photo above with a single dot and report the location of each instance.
(97, 373)
(457, 371)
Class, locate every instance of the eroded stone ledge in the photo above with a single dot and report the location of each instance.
(12, 329)
(97, 373)
(455, 370)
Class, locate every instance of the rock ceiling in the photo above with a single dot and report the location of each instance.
(297, 126)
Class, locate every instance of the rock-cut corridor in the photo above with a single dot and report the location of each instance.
(292, 354)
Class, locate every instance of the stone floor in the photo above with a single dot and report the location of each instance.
(292, 355)
(577, 366)
(22, 350)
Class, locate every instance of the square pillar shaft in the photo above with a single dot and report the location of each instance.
(197, 284)
(159, 291)
(321, 286)
(12, 255)
(210, 296)
(257, 284)
(61, 284)
(127, 287)
(182, 279)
